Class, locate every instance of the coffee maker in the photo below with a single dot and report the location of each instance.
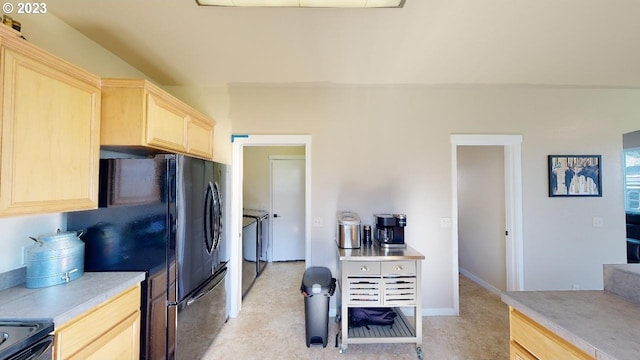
(389, 230)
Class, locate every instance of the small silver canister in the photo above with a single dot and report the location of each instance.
(55, 259)
(348, 230)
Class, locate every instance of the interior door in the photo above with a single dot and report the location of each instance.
(287, 204)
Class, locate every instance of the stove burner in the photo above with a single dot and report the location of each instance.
(17, 335)
(3, 337)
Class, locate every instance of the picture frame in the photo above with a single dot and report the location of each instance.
(575, 175)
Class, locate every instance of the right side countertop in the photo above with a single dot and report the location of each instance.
(604, 324)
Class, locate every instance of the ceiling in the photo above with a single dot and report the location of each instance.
(176, 42)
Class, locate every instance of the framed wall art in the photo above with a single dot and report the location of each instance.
(575, 175)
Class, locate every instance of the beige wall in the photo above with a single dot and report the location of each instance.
(481, 215)
(58, 38)
(387, 149)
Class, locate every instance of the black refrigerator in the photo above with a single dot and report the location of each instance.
(164, 215)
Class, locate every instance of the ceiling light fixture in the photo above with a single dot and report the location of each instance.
(305, 3)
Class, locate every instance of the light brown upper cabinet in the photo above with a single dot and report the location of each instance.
(50, 145)
(138, 114)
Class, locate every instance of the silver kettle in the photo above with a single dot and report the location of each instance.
(54, 259)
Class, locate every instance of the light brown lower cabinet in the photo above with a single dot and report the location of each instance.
(531, 341)
(518, 353)
(108, 331)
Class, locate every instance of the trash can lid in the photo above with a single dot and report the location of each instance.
(316, 277)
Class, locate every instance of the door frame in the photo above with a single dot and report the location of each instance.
(512, 145)
(271, 158)
(235, 238)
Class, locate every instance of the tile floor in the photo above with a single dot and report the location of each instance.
(271, 326)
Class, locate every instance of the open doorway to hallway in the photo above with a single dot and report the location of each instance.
(512, 175)
(481, 216)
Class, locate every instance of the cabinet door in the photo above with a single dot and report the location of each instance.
(200, 138)
(121, 342)
(50, 137)
(166, 125)
(111, 328)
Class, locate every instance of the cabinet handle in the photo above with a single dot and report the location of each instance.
(364, 269)
(398, 267)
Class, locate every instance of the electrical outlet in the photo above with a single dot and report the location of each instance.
(317, 222)
(445, 222)
(575, 287)
(598, 222)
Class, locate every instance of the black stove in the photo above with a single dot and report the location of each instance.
(24, 339)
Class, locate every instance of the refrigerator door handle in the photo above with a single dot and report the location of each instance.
(213, 284)
(217, 214)
(209, 214)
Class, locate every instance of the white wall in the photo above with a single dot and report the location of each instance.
(386, 149)
(481, 215)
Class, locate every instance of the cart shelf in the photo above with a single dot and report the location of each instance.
(401, 328)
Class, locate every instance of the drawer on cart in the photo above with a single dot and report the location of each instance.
(362, 268)
(363, 291)
(398, 268)
(400, 291)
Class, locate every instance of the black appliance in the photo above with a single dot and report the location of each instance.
(26, 340)
(164, 216)
(390, 230)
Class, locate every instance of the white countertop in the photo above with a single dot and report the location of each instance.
(602, 324)
(62, 303)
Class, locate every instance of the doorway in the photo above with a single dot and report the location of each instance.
(481, 216)
(512, 209)
(239, 142)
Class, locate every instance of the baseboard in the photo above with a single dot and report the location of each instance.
(439, 312)
(480, 282)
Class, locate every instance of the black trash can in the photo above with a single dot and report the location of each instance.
(317, 287)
